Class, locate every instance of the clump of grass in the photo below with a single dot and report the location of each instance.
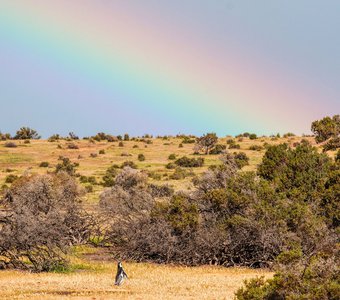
(44, 164)
(141, 157)
(10, 145)
(72, 146)
(172, 156)
(11, 178)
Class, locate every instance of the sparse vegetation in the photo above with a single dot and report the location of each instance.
(275, 206)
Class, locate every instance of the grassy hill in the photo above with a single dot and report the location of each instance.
(28, 157)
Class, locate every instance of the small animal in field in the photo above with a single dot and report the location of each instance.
(121, 275)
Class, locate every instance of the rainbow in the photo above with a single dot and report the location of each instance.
(160, 82)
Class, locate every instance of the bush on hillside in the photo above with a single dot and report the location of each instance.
(187, 162)
(44, 219)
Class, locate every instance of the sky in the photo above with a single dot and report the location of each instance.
(168, 67)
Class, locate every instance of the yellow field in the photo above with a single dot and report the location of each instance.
(146, 281)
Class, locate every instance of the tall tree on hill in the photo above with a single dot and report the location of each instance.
(327, 131)
(206, 142)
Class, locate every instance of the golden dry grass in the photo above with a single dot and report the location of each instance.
(146, 281)
(27, 157)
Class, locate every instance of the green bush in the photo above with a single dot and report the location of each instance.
(44, 164)
(188, 140)
(255, 148)
(180, 174)
(234, 146)
(218, 149)
(170, 166)
(241, 159)
(253, 136)
(110, 174)
(11, 178)
(66, 166)
(141, 157)
(190, 162)
(128, 163)
(172, 156)
(89, 188)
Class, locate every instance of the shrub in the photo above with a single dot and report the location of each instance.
(121, 144)
(314, 278)
(110, 174)
(180, 174)
(27, 142)
(25, 133)
(89, 188)
(93, 155)
(135, 146)
(11, 178)
(188, 140)
(231, 217)
(126, 137)
(232, 144)
(326, 128)
(141, 157)
(102, 151)
(170, 166)
(154, 175)
(44, 164)
(253, 136)
(72, 146)
(180, 145)
(288, 134)
(4, 136)
(256, 148)
(54, 138)
(73, 136)
(218, 149)
(66, 166)
(161, 191)
(44, 219)
(189, 162)
(128, 163)
(172, 156)
(241, 159)
(10, 145)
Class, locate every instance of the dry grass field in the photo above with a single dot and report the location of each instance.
(95, 280)
(26, 158)
(93, 274)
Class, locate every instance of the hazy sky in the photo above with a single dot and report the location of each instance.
(166, 67)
